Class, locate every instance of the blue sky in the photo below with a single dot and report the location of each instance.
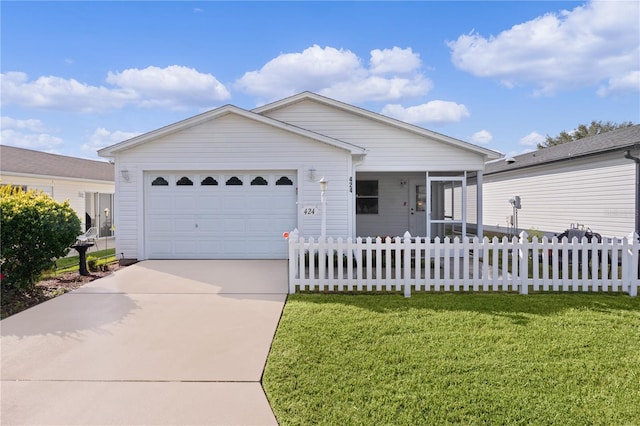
(78, 76)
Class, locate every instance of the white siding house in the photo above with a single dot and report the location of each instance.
(587, 182)
(88, 185)
(228, 183)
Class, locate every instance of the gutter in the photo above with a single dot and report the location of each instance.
(628, 156)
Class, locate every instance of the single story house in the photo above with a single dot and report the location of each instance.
(228, 183)
(87, 184)
(591, 182)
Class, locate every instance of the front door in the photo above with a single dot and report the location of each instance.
(417, 208)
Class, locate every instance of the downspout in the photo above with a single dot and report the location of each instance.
(628, 156)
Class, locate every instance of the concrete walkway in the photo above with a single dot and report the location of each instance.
(159, 342)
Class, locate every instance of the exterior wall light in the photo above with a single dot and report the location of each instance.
(323, 201)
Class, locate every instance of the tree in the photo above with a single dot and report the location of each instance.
(583, 131)
(34, 230)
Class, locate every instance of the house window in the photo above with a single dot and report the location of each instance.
(159, 181)
(259, 181)
(234, 181)
(209, 181)
(22, 188)
(184, 181)
(366, 197)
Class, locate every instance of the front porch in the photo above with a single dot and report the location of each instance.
(426, 204)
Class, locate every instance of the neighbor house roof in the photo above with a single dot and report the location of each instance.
(490, 154)
(615, 140)
(22, 161)
(219, 112)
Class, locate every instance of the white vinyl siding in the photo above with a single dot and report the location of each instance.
(72, 190)
(388, 148)
(597, 191)
(233, 143)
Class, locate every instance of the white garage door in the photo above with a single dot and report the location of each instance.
(217, 215)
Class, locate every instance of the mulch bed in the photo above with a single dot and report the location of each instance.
(48, 288)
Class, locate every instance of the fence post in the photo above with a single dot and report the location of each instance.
(407, 264)
(633, 265)
(523, 269)
(293, 260)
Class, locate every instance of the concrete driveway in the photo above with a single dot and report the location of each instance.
(158, 342)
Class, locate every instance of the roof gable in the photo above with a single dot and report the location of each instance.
(110, 151)
(489, 154)
(28, 162)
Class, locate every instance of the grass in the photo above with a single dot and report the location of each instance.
(69, 264)
(466, 359)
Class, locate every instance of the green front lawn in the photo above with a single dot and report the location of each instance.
(437, 359)
(70, 264)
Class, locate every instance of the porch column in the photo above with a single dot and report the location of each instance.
(479, 218)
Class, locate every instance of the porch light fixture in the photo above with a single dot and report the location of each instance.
(323, 201)
(125, 175)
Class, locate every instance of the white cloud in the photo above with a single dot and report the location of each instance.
(591, 44)
(433, 112)
(31, 134)
(340, 74)
(396, 60)
(59, 93)
(626, 83)
(483, 137)
(32, 124)
(532, 139)
(102, 137)
(171, 87)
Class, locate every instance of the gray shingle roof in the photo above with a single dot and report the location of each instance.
(19, 160)
(610, 141)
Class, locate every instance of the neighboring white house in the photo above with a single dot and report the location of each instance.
(589, 182)
(87, 184)
(228, 183)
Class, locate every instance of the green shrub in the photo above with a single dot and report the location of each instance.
(34, 229)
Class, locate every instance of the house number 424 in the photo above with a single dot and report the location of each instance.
(309, 211)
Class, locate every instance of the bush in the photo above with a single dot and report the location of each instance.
(34, 230)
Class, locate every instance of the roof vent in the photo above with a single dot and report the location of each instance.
(509, 160)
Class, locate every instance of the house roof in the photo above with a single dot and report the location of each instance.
(219, 112)
(490, 154)
(28, 162)
(619, 139)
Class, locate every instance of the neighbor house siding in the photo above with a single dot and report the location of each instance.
(389, 148)
(596, 191)
(232, 143)
(72, 190)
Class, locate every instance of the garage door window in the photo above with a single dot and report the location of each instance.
(284, 181)
(259, 181)
(234, 181)
(209, 181)
(184, 181)
(159, 181)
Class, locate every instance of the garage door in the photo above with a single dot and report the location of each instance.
(217, 215)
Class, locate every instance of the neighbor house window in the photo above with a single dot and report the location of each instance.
(366, 197)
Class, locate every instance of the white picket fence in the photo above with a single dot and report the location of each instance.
(406, 264)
